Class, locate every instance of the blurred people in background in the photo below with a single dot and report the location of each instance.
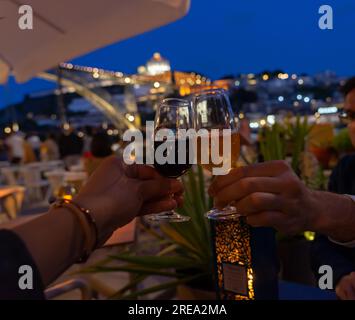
(245, 132)
(342, 181)
(349, 107)
(35, 143)
(87, 139)
(100, 148)
(3, 151)
(70, 147)
(29, 154)
(15, 144)
(49, 148)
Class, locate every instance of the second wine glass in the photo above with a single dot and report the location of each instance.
(213, 112)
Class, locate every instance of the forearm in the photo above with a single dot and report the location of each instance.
(325, 252)
(55, 241)
(332, 215)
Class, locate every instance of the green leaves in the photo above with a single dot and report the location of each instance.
(160, 287)
(176, 262)
(297, 134)
(272, 143)
(278, 141)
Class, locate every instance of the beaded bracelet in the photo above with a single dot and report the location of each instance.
(87, 223)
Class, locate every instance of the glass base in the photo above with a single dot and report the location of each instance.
(168, 216)
(226, 213)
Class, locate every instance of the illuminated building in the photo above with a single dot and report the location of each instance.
(157, 65)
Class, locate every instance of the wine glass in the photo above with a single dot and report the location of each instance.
(213, 113)
(172, 114)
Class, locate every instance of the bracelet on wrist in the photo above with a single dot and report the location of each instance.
(87, 224)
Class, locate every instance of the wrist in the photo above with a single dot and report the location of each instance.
(75, 233)
(104, 227)
(333, 215)
(318, 218)
(87, 225)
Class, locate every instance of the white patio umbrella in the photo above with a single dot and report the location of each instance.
(65, 29)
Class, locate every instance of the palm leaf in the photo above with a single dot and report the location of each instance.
(133, 269)
(131, 285)
(164, 286)
(177, 237)
(169, 249)
(157, 261)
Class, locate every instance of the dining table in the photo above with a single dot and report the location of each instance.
(11, 199)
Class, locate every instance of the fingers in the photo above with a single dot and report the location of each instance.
(158, 188)
(340, 293)
(265, 169)
(179, 200)
(350, 287)
(351, 291)
(254, 203)
(135, 171)
(162, 205)
(345, 289)
(265, 219)
(244, 187)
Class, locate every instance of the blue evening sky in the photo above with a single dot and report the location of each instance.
(233, 36)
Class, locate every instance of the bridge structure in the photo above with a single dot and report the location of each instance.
(93, 83)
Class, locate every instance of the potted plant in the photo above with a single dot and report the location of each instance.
(184, 257)
(287, 141)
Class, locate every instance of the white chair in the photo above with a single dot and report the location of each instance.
(11, 199)
(4, 164)
(53, 165)
(9, 174)
(36, 187)
(77, 179)
(56, 163)
(76, 168)
(56, 181)
(47, 165)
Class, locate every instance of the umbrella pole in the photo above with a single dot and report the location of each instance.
(60, 98)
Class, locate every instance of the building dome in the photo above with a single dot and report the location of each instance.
(157, 65)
